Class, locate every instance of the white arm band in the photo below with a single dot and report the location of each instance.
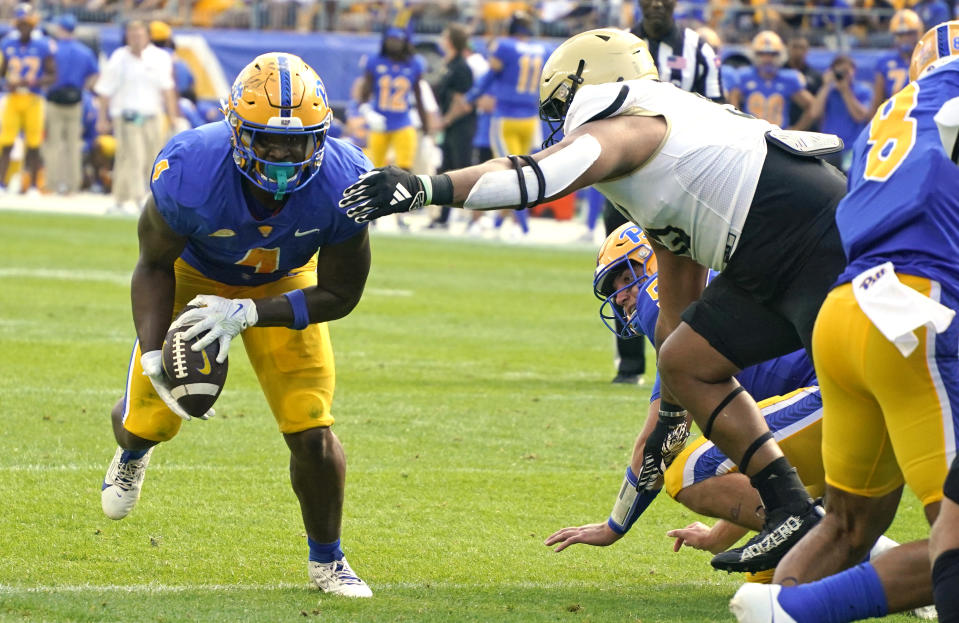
(500, 189)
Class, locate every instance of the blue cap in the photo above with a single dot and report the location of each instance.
(67, 21)
(23, 10)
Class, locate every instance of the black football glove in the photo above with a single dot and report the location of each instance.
(379, 192)
(662, 447)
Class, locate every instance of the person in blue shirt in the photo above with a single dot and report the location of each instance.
(242, 224)
(886, 347)
(843, 103)
(766, 89)
(892, 69)
(77, 70)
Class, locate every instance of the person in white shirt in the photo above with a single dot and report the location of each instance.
(135, 90)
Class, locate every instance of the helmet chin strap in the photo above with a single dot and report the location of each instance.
(280, 172)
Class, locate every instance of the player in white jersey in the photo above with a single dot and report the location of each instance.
(713, 188)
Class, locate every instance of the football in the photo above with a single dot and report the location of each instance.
(195, 378)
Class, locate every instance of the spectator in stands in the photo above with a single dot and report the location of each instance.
(796, 50)
(892, 70)
(765, 89)
(77, 70)
(458, 122)
(135, 89)
(844, 104)
(28, 68)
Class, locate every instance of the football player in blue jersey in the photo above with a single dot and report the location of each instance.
(389, 83)
(886, 347)
(513, 81)
(242, 223)
(28, 68)
(702, 477)
(766, 89)
(892, 69)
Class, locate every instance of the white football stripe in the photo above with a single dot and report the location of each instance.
(193, 389)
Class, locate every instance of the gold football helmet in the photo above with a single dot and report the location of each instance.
(768, 42)
(592, 57)
(905, 21)
(940, 42)
(278, 97)
(625, 249)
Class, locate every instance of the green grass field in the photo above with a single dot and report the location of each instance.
(474, 402)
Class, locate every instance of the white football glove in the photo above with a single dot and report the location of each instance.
(222, 319)
(152, 364)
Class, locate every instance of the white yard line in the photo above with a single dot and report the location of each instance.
(283, 586)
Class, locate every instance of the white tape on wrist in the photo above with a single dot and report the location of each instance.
(624, 501)
(500, 189)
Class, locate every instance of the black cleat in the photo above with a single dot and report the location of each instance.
(628, 379)
(764, 551)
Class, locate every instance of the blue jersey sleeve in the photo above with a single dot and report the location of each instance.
(170, 188)
(419, 66)
(794, 82)
(343, 163)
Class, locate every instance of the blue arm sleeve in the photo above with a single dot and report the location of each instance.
(480, 87)
(640, 504)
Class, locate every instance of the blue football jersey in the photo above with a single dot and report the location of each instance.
(516, 85)
(895, 69)
(903, 199)
(26, 61)
(199, 192)
(769, 99)
(771, 378)
(393, 84)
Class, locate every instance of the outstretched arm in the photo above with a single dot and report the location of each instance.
(647, 485)
(596, 151)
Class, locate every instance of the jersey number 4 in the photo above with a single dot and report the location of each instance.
(892, 134)
(261, 260)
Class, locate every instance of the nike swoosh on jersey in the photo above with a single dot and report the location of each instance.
(206, 364)
(299, 233)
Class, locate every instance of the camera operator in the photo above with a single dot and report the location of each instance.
(843, 103)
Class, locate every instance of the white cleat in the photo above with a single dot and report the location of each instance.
(337, 578)
(759, 603)
(926, 613)
(121, 487)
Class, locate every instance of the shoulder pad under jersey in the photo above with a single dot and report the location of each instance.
(596, 101)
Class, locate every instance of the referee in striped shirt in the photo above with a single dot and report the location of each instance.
(681, 55)
(687, 61)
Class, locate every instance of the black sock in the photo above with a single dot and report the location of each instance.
(945, 585)
(780, 488)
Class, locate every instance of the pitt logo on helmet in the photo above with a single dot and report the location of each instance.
(593, 57)
(278, 109)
